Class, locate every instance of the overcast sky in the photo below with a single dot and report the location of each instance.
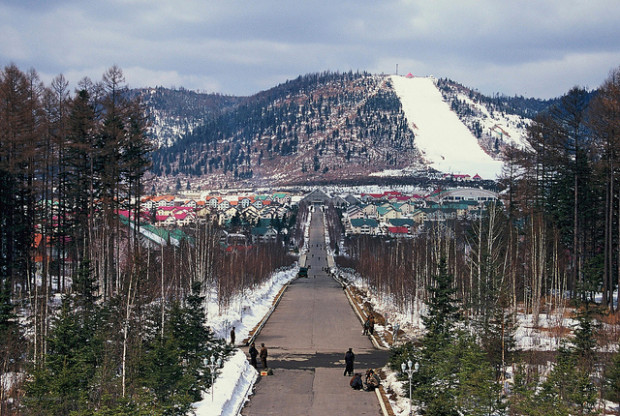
(536, 48)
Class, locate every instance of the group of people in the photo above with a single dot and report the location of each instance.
(369, 325)
(255, 353)
(371, 380)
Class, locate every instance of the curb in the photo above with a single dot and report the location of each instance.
(373, 337)
(242, 403)
(382, 396)
(386, 409)
(261, 324)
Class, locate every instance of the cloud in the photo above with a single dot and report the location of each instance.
(241, 47)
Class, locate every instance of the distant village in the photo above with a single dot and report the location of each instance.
(265, 217)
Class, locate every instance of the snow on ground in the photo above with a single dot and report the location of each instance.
(510, 126)
(231, 388)
(547, 336)
(439, 134)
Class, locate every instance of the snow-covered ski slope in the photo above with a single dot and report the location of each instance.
(444, 141)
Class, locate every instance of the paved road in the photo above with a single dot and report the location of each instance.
(307, 337)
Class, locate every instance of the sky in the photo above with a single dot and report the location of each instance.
(535, 48)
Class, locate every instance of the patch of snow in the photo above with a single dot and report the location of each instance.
(504, 125)
(395, 172)
(231, 388)
(10, 379)
(444, 141)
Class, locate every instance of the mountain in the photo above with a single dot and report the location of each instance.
(174, 113)
(335, 127)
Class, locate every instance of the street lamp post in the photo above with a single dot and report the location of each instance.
(410, 368)
(213, 366)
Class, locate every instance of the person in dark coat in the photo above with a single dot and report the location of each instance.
(356, 382)
(349, 358)
(366, 326)
(232, 336)
(253, 354)
(371, 326)
(263, 355)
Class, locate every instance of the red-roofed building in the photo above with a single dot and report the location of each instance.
(398, 231)
(184, 218)
(213, 201)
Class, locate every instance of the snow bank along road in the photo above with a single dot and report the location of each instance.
(307, 337)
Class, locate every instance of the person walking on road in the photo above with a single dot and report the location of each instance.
(349, 358)
(232, 336)
(253, 354)
(371, 326)
(263, 355)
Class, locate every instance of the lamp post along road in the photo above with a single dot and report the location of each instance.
(214, 365)
(410, 368)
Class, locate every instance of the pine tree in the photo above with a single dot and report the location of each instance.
(74, 351)
(189, 328)
(569, 388)
(478, 393)
(81, 176)
(173, 367)
(436, 380)
(611, 389)
(162, 374)
(443, 312)
(497, 338)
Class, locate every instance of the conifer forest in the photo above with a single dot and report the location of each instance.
(121, 328)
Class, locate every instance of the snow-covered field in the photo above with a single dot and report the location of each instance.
(439, 134)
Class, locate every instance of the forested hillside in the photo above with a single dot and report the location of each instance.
(310, 128)
(333, 125)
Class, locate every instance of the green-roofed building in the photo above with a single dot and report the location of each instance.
(402, 222)
(264, 234)
(364, 226)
